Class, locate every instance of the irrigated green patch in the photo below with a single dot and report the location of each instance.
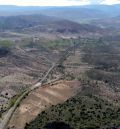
(57, 44)
(6, 44)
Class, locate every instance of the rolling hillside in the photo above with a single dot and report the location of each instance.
(46, 24)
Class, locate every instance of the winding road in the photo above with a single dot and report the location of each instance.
(7, 117)
(9, 114)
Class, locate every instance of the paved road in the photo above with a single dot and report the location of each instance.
(39, 83)
(9, 114)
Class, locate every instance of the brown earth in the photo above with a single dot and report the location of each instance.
(42, 98)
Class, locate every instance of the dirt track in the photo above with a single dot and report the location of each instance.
(40, 99)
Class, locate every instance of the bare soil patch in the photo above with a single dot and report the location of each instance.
(42, 98)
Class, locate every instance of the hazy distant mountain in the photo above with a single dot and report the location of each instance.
(20, 22)
(42, 23)
(84, 13)
(112, 22)
(74, 13)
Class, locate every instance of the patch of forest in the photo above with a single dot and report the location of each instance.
(80, 112)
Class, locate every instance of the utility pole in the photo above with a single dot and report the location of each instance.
(74, 48)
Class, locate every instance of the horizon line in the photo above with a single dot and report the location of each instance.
(57, 5)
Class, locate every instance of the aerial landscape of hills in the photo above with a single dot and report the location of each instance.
(60, 67)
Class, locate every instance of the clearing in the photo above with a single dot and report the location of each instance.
(42, 98)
